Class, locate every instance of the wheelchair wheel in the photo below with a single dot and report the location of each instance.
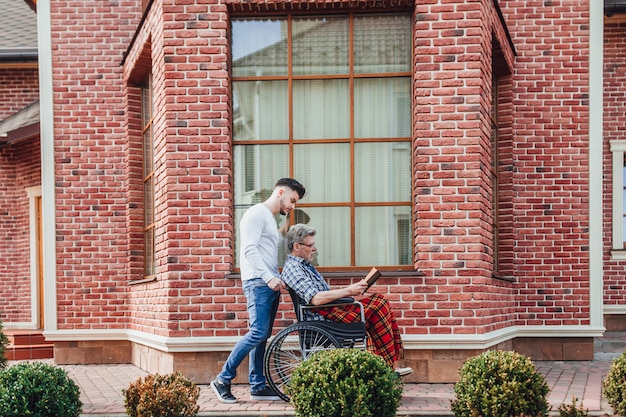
(289, 348)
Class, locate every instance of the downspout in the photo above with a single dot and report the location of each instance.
(46, 120)
(596, 65)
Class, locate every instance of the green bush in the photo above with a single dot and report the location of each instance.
(162, 396)
(4, 342)
(344, 383)
(615, 385)
(571, 410)
(36, 389)
(499, 384)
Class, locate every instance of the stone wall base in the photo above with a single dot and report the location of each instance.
(430, 366)
(441, 366)
(555, 349)
(87, 352)
(615, 322)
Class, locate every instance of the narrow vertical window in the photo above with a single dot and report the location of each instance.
(495, 179)
(618, 150)
(327, 100)
(623, 197)
(148, 176)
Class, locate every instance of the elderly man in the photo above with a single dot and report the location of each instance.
(308, 283)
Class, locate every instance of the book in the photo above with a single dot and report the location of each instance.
(371, 277)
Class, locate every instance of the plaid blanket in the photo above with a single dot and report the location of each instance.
(380, 323)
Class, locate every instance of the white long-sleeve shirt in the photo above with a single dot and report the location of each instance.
(259, 244)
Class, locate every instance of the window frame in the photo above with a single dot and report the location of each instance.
(148, 173)
(353, 139)
(495, 175)
(618, 150)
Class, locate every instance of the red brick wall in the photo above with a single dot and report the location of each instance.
(550, 95)
(19, 169)
(19, 87)
(91, 162)
(453, 51)
(197, 241)
(97, 171)
(193, 192)
(614, 116)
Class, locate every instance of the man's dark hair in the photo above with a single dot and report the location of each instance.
(291, 183)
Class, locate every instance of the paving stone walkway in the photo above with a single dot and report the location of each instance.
(101, 389)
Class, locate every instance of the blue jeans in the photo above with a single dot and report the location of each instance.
(262, 303)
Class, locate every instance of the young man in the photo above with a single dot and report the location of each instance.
(308, 283)
(261, 285)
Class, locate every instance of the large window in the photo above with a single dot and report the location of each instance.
(327, 100)
(148, 176)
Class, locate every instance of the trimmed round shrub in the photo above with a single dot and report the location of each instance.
(615, 385)
(162, 396)
(36, 389)
(500, 384)
(4, 342)
(344, 383)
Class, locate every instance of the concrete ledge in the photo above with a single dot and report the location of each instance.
(430, 365)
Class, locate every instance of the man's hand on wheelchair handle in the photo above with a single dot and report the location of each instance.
(276, 284)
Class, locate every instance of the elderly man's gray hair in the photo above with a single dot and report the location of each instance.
(297, 233)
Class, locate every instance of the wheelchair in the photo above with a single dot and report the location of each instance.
(294, 344)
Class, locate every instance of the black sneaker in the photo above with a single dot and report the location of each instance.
(223, 392)
(266, 394)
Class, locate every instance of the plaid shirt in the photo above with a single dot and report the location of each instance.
(305, 280)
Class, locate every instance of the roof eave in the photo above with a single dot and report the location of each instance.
(613, 7)
(19, 135)
(19, 54)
